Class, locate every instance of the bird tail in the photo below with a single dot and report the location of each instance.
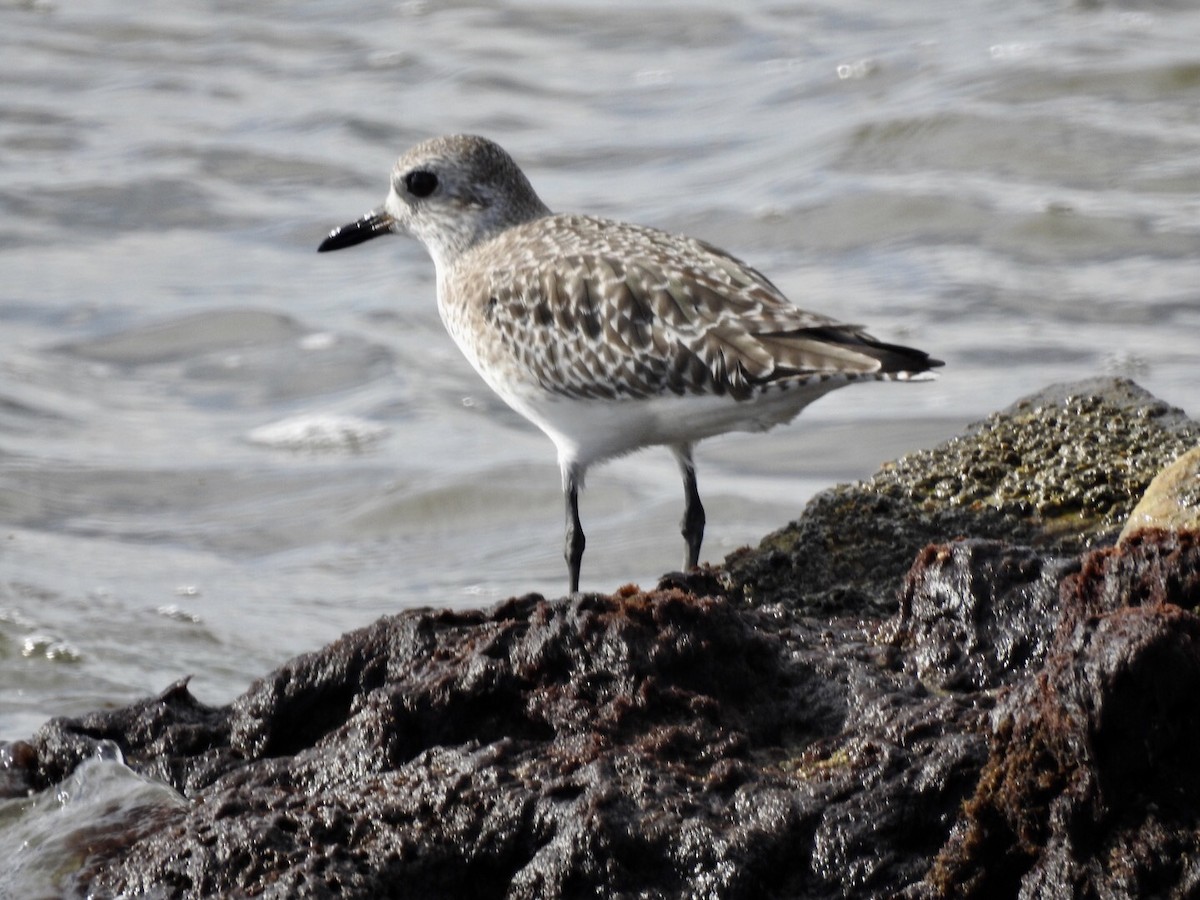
(846, 347)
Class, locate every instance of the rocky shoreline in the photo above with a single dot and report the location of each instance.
(948, 680)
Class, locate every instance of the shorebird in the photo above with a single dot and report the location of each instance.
(607, 336)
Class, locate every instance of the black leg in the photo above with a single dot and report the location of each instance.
(575, 539)
(693, 510)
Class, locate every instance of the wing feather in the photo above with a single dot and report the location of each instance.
(593, 308)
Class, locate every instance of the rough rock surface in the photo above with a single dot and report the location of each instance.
(1058, 471)
(978, 614)
(599, 747)
(1172, 500)
(1021, 724)
(1091, 787)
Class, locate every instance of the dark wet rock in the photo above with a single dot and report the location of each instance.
(1020, 723)
(18, 767)
(177, 739)
(1153, 567)
(1091, 788)
(1058, 471)
(978, 614)
(606, 746)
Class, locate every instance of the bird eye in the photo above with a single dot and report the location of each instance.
(421, 183)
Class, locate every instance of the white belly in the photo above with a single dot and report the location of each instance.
(589, 431)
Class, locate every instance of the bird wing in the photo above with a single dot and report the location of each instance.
(592, 308)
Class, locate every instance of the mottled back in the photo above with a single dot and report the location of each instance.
(589, 307)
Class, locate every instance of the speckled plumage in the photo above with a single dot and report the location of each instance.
(606, 335)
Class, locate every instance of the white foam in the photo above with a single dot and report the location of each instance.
(319, 432)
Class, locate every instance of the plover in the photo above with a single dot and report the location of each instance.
(608, 336)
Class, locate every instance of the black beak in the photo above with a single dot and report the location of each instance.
(372, 225)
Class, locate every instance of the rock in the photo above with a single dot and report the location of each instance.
(173, 736)
(605, 746)
(1058, 471)
(1091, 788)
(1021, 723)
(978, 614)
(1172, 500)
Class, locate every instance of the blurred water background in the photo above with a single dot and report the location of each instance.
(219, 449)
